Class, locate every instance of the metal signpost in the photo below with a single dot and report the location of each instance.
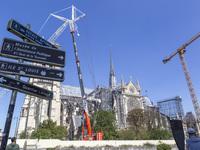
(27, 70)
(30, 52)
(45, 53)
(24, 33)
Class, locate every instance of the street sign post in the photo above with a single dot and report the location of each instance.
(24, 87)
(45, 53)
(27, 70)
(22, 32)
(10, 111)
(31, 52)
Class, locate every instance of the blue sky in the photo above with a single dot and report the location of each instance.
(141, 34)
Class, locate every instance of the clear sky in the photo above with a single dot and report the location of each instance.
(141, 33)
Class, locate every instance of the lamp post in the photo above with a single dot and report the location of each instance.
(15, 135)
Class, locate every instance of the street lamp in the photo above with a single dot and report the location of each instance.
(15, 135)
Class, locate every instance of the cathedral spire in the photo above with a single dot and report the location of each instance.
(112, 79)
(138, 86)
(122, 82)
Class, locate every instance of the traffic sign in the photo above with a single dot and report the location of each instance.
(22, 32)
(27, 88)
(33, 71)
(31, 52)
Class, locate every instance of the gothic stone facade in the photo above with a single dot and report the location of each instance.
(66, 106)
(36, 110)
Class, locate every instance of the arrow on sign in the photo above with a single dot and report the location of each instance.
(61, 57)
(59, 74)
(2, 79)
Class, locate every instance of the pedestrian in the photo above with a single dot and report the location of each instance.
(13, 145)
(192, 143)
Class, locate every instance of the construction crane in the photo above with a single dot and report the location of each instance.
(181, 51)
(3, 93)
(73, 27)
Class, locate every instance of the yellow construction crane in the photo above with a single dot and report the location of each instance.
(181, 51)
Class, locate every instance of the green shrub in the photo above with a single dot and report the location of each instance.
(22, 135)
(49, 130)
(148, 144)
(51, 148)
(142, 135)
(163, 146)
(126, 145)
(71, 146)
(127, 134)
(107, 146)
(159, 134)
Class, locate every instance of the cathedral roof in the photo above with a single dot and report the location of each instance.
(189, 117)
(73, 90)
(146, 101)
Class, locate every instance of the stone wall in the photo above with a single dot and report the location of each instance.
(119, 148)
(51, 143)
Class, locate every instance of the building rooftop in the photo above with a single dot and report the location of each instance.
(73, 90)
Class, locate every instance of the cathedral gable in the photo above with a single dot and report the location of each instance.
(131, 89)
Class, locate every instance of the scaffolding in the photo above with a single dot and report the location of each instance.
(171, 107)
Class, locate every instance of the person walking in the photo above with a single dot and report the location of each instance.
(13, 145)
(192, 143)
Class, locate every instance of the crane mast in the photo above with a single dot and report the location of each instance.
(181, 51)
(72, 31)
(81, 85)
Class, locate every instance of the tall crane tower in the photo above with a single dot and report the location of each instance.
(181, 51)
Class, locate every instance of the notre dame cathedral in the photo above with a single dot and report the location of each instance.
(66, 106)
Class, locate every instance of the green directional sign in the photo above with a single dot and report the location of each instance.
(22, 32)
(24, 87)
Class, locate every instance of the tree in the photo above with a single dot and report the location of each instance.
(48, 124)
(106, 121)
(136, 119)
(151, 117)
(49, 130)
(41, 133)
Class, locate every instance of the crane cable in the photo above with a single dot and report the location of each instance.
(89, 60)
(90, 53)
(50, 16)
(90, 65)
(92, 68)
(4, 92)
(44, 24)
